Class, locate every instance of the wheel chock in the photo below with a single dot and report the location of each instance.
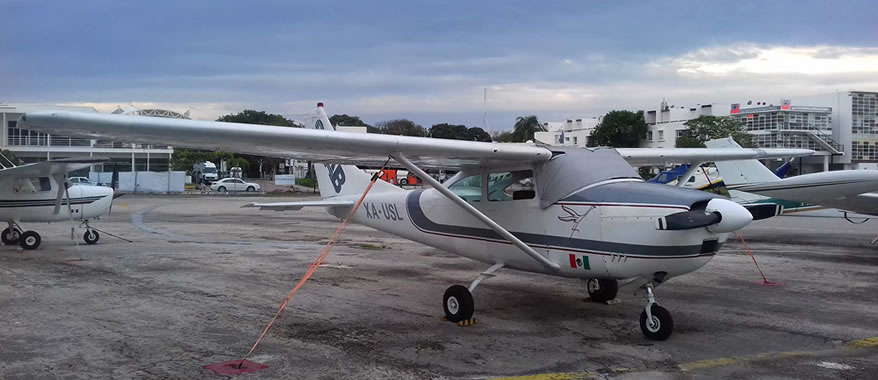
(463, 323)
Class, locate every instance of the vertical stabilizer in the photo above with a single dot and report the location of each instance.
(337, 180)
(740, 172)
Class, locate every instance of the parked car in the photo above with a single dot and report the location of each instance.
(81, 181)
(234, 184)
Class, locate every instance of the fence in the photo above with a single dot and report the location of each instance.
(144, 182)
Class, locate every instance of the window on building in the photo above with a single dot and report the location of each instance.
(510, 186)
(575, 140)
(661, 135)
(649, 135)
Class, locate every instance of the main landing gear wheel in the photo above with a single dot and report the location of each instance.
(659, 326)
(29, 240)
(602, 290)
(10, 236)
(91, 237)
(458, 303)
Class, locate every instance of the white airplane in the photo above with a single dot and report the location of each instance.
(569, 212)
(851, 190)
(37, 193)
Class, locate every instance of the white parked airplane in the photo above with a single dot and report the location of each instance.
(37, 193)
(851, 190)
(577, 213)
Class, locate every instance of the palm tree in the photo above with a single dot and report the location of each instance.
(525, 126)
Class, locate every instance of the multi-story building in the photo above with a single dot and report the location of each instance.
(31, 146)
(572, 132)
(669, 122)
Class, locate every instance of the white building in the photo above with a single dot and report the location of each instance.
(667, 123)
(572, 132)
(31, 146)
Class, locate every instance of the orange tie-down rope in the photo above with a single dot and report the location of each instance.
(323, 254)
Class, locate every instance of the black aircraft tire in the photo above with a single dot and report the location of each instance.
(458, 303)
(10, 240)
(91, 237)
(602, 290)
(663, 324)
(29, 240)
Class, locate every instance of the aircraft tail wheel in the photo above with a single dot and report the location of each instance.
(91, 236)
(29, 240)
(602, 290)
(10, 236)
(660, 326)
(458, 303)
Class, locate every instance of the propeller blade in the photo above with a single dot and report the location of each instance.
(688, 220)
(764, 210)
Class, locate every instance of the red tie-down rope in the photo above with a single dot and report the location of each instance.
(764, 280)
(319, 260)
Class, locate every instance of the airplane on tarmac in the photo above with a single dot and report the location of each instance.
(568, 212)
(40, 192)
(750, 181)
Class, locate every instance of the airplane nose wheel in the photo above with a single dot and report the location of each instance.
(655, 321)
(10, 236)
(458, 303)
(29, 240)
(91, 237)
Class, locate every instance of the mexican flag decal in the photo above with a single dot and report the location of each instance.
(577, 261)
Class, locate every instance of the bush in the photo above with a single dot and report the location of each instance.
(306, 182)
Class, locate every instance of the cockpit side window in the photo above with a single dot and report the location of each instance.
(32, 185)
(511, 186)
(468, 188)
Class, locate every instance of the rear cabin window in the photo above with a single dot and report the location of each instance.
(32, 185)
(511, 186)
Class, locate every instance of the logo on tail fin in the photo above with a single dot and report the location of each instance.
(336, 173)
(319, 125)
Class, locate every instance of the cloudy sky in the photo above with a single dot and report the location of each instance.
(430, 61)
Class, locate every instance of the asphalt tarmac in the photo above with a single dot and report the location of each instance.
(203, 277)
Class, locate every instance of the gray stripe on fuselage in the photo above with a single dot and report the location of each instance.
(47, 202)
(420, 221)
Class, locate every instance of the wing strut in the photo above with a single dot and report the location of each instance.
(693, 167)
(478, 214)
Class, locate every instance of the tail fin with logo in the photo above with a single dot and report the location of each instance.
(338, 180)
(740, 172)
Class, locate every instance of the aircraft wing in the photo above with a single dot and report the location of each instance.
(307, 144)
(672, 156)
(285, 206)
(52, 167)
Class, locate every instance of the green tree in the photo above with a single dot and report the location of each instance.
(525, 127)
(706, 128)
(619, 129)
(448, 131)
(401, 127)
(503, 137)
(352, 121)
(259, 117)
(477, 134)
(458, 132)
